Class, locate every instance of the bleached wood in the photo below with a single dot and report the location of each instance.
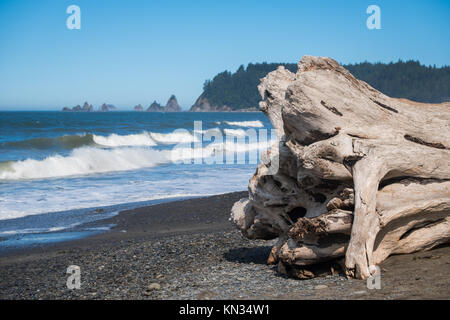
(346, 149)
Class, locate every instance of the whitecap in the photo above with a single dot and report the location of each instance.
(115, 140)
(250, 124)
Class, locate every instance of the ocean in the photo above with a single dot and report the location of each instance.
(61, 173)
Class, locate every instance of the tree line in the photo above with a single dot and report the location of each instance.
(402, 79)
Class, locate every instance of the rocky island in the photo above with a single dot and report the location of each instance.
(171, 106)
(89, 108)
(107, 107)
(85, 108)
(139, 107)
(155, 107)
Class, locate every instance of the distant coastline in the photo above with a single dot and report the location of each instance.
(238, 91)
(171, 106)
(89, 108)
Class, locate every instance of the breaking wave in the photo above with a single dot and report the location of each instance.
(90, 160)
(175, 137)
(115, 140)
(94, 154)
(64, 142)
(69, 142)
(82, 161)
(249, 124)
(235, 132)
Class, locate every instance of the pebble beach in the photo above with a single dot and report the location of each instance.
(190, 250)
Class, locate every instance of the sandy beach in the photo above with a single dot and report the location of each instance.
(189, 250)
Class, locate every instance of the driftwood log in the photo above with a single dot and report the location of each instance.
(360, 175)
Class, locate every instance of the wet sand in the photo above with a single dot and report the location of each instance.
(189, 250)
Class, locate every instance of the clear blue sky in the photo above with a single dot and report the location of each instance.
(136, 51)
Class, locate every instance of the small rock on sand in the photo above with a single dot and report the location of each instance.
(360, 292)
(320, 287)
(153, 286)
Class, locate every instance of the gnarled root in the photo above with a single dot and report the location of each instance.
(361, 175)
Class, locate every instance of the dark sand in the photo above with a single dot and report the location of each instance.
(191, 250)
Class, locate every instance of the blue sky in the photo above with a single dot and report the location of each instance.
(136, 51)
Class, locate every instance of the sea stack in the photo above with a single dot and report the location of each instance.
(172, 105)
(138, 108)
(107, 107)
(355, 174)
(85, 108)
(155, 107)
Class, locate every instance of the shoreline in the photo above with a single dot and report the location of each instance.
(100, 224)
(135, 222)
(188, 249)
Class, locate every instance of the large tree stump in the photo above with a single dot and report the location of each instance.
(361, 175)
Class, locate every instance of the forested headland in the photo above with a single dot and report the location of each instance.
(236, 91)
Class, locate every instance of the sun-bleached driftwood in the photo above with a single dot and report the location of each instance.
(361, 175)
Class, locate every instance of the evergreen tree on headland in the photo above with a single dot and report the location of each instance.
(409, 80)
(239, 90)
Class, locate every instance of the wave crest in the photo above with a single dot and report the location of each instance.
(64, 142)
(250, 124)
(69, 142)
(115, 140)
(175, 137)
(86, 160)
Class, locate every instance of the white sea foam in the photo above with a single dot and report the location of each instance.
(231, 146)
(175, 137)
(147, 138)
(61, 204)
(235, 132)
(86, 160)
(211, 131)
(250, 124)
(115, 140)
(34, 230)
(92, 160)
